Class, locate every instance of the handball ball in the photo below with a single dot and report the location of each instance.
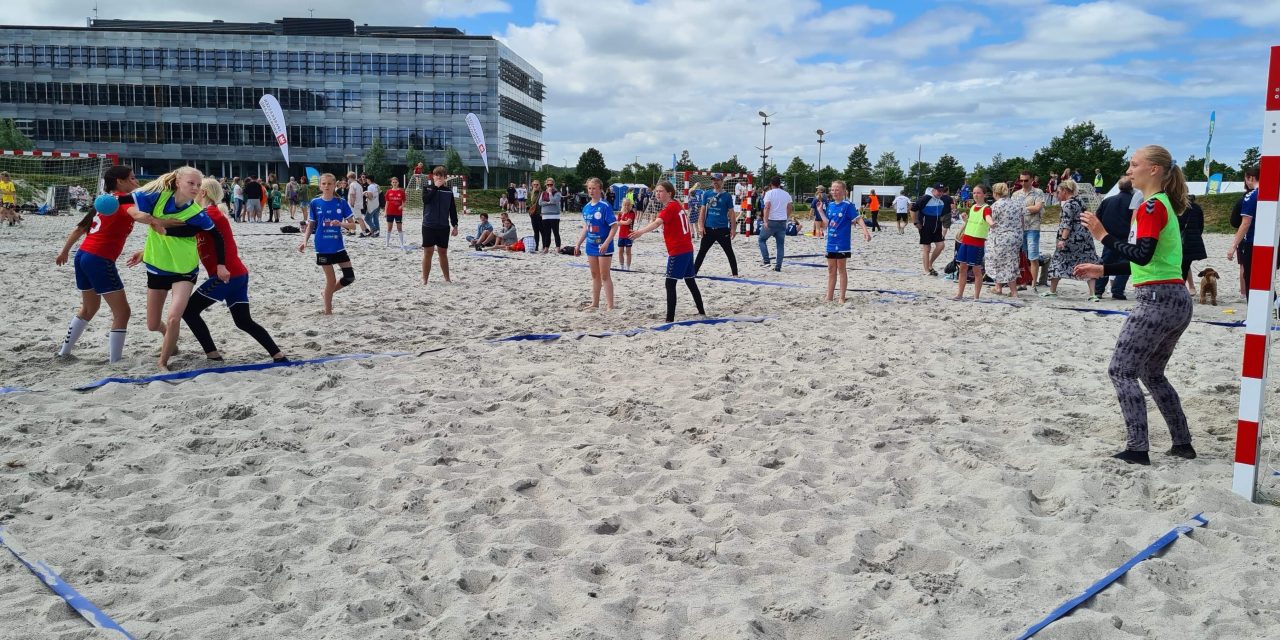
(106, 204)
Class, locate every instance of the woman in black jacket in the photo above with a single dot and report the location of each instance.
(1191, 223)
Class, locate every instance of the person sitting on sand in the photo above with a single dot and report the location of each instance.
(506, 236)
(484, 234)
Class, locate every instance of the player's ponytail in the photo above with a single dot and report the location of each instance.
(169, 181)
(1173, 184)
(112, 177)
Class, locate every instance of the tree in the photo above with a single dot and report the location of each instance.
(858, 171)
(828, 174)
(1001, 170)
(729, 166)
(800, 177)
(887, 170)
(453, 163)
(685, 163)
(1193, 169)
(412, 157)
(375, 162)
(1252, 158)
(1082, 147)
(12, 138)
(948, 171)
(591, 165)
(918, 177)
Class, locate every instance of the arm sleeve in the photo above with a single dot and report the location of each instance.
(184, 231)
(1140, 253)
(219, 247)
(453, 212)
(145, 201)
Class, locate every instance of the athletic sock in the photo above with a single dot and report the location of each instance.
(388, 245)
(115, 345)
(76, 328)
(401, 238)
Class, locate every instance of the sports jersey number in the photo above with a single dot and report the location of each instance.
(97, 224)
(684, 225)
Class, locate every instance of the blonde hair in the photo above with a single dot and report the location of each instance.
(169, 181)
(627, 205)
(1173, 183)
(596, 181)
(841, 183)
(329, 176)
(1067, 185)
(1000, 190)
(210, 191)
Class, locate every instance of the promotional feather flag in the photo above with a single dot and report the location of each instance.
(271, 107)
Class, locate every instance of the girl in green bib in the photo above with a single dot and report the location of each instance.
(170, 254)
(973, 243)
(1152, 256)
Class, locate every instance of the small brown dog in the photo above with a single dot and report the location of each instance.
(1209, 286)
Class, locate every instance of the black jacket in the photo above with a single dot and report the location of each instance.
(1191, 223)
(1116, 216)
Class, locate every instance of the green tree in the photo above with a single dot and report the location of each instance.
(12, 138)
(375, 162)
(769, 172)
(1001, 169)
(1252, 158)
(1083, 147)
(858, 170)
(887, 170)
(685, 163)
(1193, 169)
(948, 171)
(591, 165)
(729, 166)
(827, 175)
(412, 157)
(800, 177)
(453, 163)
(918, 177)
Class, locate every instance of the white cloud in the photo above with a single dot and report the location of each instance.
(463, 8)
(387, 12)
(1091, 31)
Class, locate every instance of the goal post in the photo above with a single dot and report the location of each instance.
(692, 184)
(415, 184)
(49, 182)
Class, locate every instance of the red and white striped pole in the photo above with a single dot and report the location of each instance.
(1257, 330)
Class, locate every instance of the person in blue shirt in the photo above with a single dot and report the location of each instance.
(327, 216)
(839, 216)
(599, 226)
(484, 234)
(1242, 245)
(965, 192)
(716, 224)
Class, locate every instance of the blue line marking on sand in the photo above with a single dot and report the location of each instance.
(759, 283)
(257, 366)
(51, 579)
(547, 337)
(1167, 539)
(4, 390)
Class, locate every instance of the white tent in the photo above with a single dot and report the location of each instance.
(886, 193)
(1197, 188)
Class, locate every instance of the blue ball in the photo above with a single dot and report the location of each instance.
(106, 204)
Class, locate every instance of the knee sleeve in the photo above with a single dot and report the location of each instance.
(348, 276)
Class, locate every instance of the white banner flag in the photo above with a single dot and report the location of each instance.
(477, 134)
(271, 107)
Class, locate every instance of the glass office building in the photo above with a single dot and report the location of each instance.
(164, 94)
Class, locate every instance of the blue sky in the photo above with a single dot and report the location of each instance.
(969, 78)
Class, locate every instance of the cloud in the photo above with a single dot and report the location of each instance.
(463, 8)
(388, 12)
(1091, 31)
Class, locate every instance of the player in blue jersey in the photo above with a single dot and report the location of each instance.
(839, 215)
(599, 226)
(327, 216)
(716, 224)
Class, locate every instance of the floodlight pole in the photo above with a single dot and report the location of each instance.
(818, 171)
(764, 141)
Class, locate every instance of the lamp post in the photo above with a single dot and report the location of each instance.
(818, 173)
(764, 143)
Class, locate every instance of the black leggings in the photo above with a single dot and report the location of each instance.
(239, 313)
(549, 227)
(713, 237)
(671, 297)
(535, 222)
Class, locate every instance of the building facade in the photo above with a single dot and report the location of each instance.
(165, 94)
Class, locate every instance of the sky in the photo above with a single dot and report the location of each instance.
(645, 79)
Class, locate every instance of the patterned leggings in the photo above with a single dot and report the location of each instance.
(1146, 342)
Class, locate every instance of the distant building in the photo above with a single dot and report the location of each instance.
(164, 94)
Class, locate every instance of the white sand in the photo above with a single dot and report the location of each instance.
(893, 468)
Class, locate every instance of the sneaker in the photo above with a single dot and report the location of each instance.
(1119, 296)
(766, 263)
(933, 273)
(1048, 294)
(1095, 299)
(1182, 451)
(1133, 457)
(363, 235)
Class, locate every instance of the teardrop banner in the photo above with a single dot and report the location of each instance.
(271, 107)
(477, 134)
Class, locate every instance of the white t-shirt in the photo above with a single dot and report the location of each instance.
(371, 196)
(775, 202)
(237, 192)
(901, 204)
(740, 189)
(522, 193)
(355, 197)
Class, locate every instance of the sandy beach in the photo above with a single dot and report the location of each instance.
(899, 467)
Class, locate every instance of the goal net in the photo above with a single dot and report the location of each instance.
(693, 185)
(415, 184)
(53, 182)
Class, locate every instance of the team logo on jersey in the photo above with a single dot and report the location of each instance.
(597, 215)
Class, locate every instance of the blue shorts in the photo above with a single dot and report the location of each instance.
(97, 274)
(970, 254)
(1031, 243)
(681, 266)
(233, 291)
(624, 242)
(594, 250)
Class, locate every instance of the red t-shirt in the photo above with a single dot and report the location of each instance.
(970, 240)
(675, 229)
(395, 202)
(108, 234)
(204, 244)
(624, 230)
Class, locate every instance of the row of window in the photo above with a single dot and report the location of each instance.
(326, 62)
(241, 135)
(199, 97)
(519, 113)
(513, 75)
(524, 148)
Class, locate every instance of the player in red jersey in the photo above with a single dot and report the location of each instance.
(234, 292)
(675, 230)
(95, 262)
(395, 210)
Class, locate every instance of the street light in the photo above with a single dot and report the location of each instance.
(820, 141)
(764, 142)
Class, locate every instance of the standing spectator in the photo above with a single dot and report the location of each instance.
(965, 194)
(777, 211)
(1075, 244)
(1191, 226)
(355, 200)
(291, 194)
(1116, 215)
(549, 202)
(873, 207)
(535, 213)
(237, 198)
(522, 194)
(1076, 177)
(1031, 200)
(1242, 244)
(928, 211)
(273, 201)
(1097, 180)
(512, 204)
(818, 204)
(902, 209)
(373, 207)
(253, 193)
(1053, 190)
(1004, 242)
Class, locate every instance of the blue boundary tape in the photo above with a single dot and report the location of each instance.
(481, 254)
(547, 337)
(1163, 541)
(256, 366)
(759, 283)
(51, 579)
(4, 390)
